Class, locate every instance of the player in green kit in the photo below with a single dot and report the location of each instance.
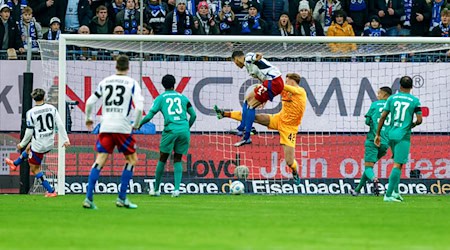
(373, 153)
(176, 134)
(402, 107)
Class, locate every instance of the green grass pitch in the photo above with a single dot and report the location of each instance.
(225, 222)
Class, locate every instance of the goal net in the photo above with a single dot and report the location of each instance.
(341, 76)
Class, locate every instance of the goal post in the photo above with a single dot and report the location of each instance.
(323, 150)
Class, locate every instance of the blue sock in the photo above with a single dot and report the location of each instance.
(249, 119)
(93, 178)
(127, 174)
(19, 160)
(241, 126)
(40, 176)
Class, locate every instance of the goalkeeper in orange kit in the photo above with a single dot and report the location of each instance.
(286, 121)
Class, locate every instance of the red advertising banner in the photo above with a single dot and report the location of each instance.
(212, 155)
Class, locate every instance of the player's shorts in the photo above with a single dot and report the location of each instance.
(269, 89)
(35, 158)
(373, 153)
(175, 141)
(107, 141)
(288, 134)
(400, 150)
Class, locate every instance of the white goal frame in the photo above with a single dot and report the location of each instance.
(72, 39)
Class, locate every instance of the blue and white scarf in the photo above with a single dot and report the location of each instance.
(312, 29)
(191, 7)
(50, 35)
(374, 32)
(32, 33)
(408, 8)
(444, 30)
(328, 13)
(436, 14)
(245, 25)
(357, 5)
(130, 23)
(224, 26)
(187, 23)
(156, 11)
(23, 4)
(117, 8)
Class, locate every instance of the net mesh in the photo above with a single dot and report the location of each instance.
(285, 49)
(331, 138)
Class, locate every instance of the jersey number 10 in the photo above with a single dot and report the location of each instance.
(48, 121)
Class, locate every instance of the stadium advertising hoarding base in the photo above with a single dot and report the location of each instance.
(140, 185)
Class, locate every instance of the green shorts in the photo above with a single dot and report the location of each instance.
(175, 141)
(400, 150)
(373, 153)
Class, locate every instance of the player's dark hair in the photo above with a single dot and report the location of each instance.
(38, 94)
(294, 76)
(122, 63)
(386, 90)
(168, 81)
(237, 53)
(406, 82)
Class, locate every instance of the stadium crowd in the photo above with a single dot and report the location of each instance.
(47, 19)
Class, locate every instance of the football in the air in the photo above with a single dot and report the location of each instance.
(237, 187)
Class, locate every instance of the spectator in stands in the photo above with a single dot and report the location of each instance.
(285, 27)
(293, 8)
(305, 25)
(323, 12)
(128, 18)
(417, 18)
(44, 10)
(374, 28)
(16, 7)
(114, 7)
(228, 22)
(155, 14)
(271, 11)
(96, 3)
(389, 13)
(101, 24)
(171, 5)
(83, 53)
(436, 8)
(84, 30)
(9, 32)
(29, 28)
(442, 29)
(179, 21)
(240, 8)
(146, 30)
(76, 14)
(358, 14)
(118, 30)
(340, 27)
(54, 31)
(204, 22)
(253, 24)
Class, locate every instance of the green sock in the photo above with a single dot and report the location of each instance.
(394, 179)
(178, 172)
(369, 173)
(158, 174)
(362, 182)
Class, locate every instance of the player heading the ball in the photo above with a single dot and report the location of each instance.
(272, 84)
